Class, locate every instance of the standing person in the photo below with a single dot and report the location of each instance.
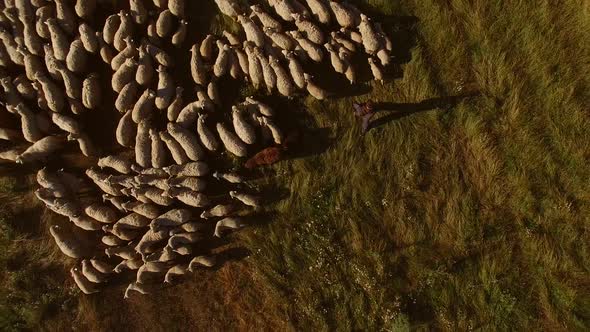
(365, 112)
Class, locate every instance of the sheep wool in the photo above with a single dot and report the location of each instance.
(86, 223)
(127, 97)
(230, 141)
(143, 145)
(220, 68)
(206, 261)
(176, 106)
(30, 129)
(126, 130)
(41, 149)
(247, 199)
(165, 90)
(143, 108)
(228, 223)
(265, 18)
(221, 210)
(53, 94)
(311, 30)
(197, 168)
(253, 32)
(110, 28)
(83, 284)
(198, 70)
(147, 210)
(89, 38)
(91, 92)
(118, 163)
(125, 30)
(138, 11)
(187, 140)
(164, 23)
(321, 10)
(66, 242)
(101, 212)
(285, 84)
(175, 148)
(243, 129)
(124, 75)
(206, 136)
(189, 197)
(172, 218)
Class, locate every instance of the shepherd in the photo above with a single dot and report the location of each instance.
(365, 112)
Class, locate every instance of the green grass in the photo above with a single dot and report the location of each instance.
(469, 215)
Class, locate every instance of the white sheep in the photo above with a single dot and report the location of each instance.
(124, 75)
(115, 201)
(111, 240)
(125, 252)
(10, 155)
(158, 196)
(175, 106)
(313, 89)
(164, 255)
(71, 82)
(280, 39)
(313, 51)
(53, 94)
(353, 35)
(213, 93)
(254, 66)
(285, 84)
(221, 210)
(125, 30)
(265, 18)
(175, 271)
(311, 30)
(128, 264)
(32, 63)
(180, 35)
(11, 47)
(85, 223)
(66, 242)
(165, 90)
(145, 68)
(52, 182)
(158, 150)
(85, 8)
(250, 200)
(101, 212)
(285, 9)
(66, 123)
(242, 59)
(189, 114)
(118, 163)
(243, 129)
(196, 168)
(295, 69)
(91, 92)
(164, 23)
(32, 40)
(172, 218)
(188, 182)
(232, 39)
(41, 149)
(176, 7)
(175, 148)
(130, 51)
(226, 224)
(386, 40)
(228, 7)
(42, 14)
(268, 73)
(59, 40)
(150, 238)
(230, 141)
(92, 274)
(159, 55)
(207, 46)
(65, 15)
(179, 239)
(127, 97)
(190, 227)
(29, 126)
(206, 136)
(384, 56)
(137, 288)
(260, 107)
(276, 132)
(340, 39)
(107, 53)
(88, 37)
(149, 268)
(221, 67)
(337, 63)
(321, 10)
(206, 261)
(253, 31)
(147, 210)
(350, 72)
(345, 16)
(83, 284)
(138, 11)
(371, 41)
(111, 25)
(85, 144)
(100, 180)
(198, 70)
(229, 177)
(189, 197)
(134, 220)
(143, 145)
(126, 130)
(187, 140)
(101, 266)
(143, 108)
(376, 70)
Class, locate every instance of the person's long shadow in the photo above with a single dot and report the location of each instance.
(401, 110)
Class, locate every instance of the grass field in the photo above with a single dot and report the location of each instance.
(466, 208)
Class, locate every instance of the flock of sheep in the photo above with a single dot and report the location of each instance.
(149, 206)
